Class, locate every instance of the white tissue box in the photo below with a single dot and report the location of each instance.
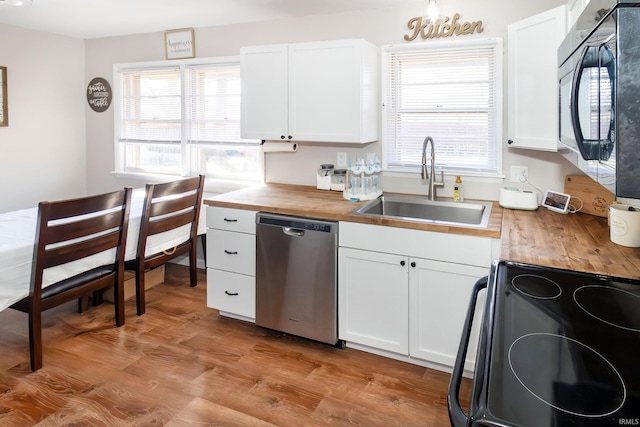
(514, 198)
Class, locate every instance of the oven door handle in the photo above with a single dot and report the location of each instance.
(456, 414)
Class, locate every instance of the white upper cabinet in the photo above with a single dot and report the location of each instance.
(265, 104)
(532, 80)
(318, 91)
(574, 9)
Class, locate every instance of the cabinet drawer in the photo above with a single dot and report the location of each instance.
(229, 219)
(229, 251)
(231, 292)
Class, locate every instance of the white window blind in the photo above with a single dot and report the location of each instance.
(150, 123)
(213, 115)
(214, 103)
(183, 120)
(151, 105)
(450, 91)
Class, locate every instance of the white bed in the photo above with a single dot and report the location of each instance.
(17, 236)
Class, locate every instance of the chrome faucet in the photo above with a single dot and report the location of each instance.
(433, 184)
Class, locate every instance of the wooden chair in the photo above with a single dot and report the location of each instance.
(167, 207)
(74, 230)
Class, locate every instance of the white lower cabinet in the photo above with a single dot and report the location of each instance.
(370, 313)
(406, 305)
(231, 262)
(439, 295)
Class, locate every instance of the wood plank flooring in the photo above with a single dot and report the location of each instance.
(182, 364)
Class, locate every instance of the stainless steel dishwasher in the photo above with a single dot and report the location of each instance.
(296, 276)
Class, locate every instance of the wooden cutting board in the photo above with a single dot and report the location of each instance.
(596, 198)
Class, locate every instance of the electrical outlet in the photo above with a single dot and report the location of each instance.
(519, 173)
(342, 160)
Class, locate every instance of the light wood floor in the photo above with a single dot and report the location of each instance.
(181, 364)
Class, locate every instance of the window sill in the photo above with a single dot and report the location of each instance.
(449, 176)
(211, 186)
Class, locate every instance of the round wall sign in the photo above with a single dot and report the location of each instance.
(99, 94)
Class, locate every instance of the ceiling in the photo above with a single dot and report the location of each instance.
(89, 19)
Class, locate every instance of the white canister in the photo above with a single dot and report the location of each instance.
(624, 221)
(338, 179)
(323, 179)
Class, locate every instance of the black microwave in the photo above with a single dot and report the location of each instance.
(599, 95)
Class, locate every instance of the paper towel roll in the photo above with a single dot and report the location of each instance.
(279, 147)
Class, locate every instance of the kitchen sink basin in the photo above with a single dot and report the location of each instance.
(419, 208)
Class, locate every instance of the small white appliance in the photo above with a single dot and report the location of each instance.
(515, 198)
(324, 177)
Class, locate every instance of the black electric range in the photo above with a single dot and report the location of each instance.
(557, 348)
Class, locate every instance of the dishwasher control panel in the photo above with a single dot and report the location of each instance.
(297, 223)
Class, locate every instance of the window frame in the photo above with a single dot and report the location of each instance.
(186, 145)
(498, 78)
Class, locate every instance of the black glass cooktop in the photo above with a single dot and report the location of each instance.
(563, 349)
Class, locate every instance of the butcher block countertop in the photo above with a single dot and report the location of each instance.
(572, 241)
(322, 204)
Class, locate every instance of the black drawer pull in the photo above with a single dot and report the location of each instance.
(230, 220)
(231, 252)
(233, 294)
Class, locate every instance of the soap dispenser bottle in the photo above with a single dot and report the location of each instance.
(457, 190)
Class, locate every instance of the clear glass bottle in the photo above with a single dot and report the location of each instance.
(457, 190)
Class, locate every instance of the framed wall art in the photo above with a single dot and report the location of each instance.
(179, 44)
(4, 107)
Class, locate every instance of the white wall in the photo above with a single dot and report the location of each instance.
(43, 148)
(385, 26)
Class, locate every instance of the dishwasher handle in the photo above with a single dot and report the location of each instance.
(293, 232)
(456, 414)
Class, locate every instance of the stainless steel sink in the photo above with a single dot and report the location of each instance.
(420, 208)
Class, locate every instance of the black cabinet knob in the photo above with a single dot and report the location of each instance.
(413, 264)
(510, 141)
(281, 136)
(402, 263)
(290, 137)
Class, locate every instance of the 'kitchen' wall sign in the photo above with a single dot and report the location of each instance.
(445, 27)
